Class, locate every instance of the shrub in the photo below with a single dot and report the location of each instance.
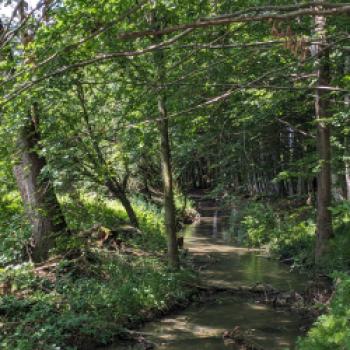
(14, 229)
(332, 331)
(258, 221)
(288, 235)
(75, 301)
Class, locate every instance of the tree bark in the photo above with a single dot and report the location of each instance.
(169, 206)
(324, 230)
(346, 140)
(37, 191)
(120, 194)
(166, 166)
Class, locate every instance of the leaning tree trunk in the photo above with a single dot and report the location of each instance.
(324, 229)
(37, 192)
(117, 189)
(124, 200)
(121, 195)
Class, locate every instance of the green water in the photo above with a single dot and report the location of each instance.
(225, 265)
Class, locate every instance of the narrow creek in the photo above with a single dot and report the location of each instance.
(222, 264)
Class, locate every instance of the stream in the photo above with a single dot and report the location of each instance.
(223, 264)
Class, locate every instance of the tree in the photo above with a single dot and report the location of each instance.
(36, 188)
(324, 194)
(165, 151)
(33, 180)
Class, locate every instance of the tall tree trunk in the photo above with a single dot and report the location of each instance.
(165, 155)
(37, 192)
(346, 141)
(347, 166)
(324, 229)
(169, 206)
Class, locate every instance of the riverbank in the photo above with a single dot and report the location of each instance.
(285, 229)
(235, 282)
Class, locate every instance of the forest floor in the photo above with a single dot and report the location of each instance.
(99, 282)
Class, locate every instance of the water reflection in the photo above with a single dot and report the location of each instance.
(226, 265)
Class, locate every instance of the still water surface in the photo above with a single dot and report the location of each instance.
(225, 265)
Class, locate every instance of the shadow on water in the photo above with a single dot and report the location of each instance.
(225, 265)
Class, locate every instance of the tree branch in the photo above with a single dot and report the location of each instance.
(99, 58)
(238, 17)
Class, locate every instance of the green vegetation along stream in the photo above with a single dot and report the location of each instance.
(224, 265)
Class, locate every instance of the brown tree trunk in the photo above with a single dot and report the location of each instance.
(324, 229)
(165, 155)
(124, 200)
(346, 141)
(120, 194)
(347, 167)
(37, 192)
(169, 206)
(117, 188)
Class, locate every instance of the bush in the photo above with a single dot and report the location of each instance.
(338, 257)
(258, 222)
(332, 331)
(74, 309)
(14, 229)
(287, 235)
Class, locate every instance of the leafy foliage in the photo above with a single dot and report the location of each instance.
(239, 100)
(288, 234)
(331, 331)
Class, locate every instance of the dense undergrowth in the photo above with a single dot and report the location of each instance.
(286, 229)
(88, 291)
(332, 330)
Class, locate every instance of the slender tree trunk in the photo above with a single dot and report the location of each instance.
(169, 206)
(166, 168)
(346, 140)
(114, 186)
(120, 194)
(347, 166)
(129, 209)
(37, 192)
(324, 229)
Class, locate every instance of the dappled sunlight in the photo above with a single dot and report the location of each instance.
(258, 307)
(182, 328)
(208, 322)
(231, 267)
